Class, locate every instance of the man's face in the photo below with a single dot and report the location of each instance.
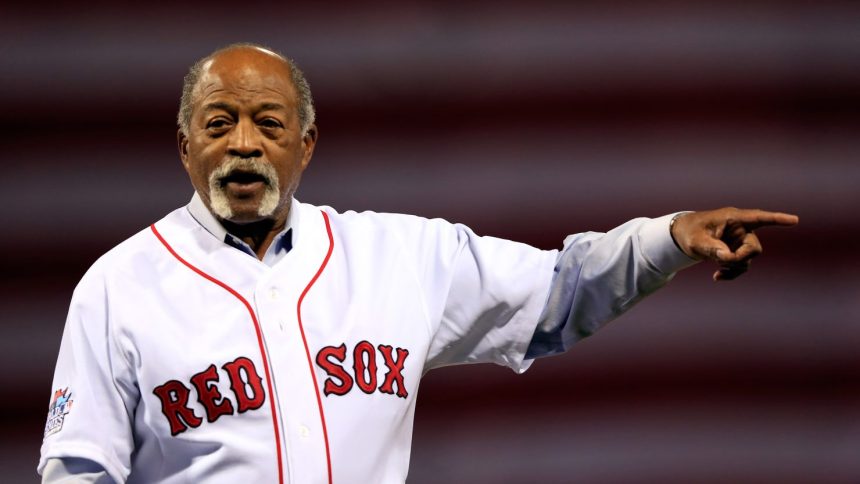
(244, 150)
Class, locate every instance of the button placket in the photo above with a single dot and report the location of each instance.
(303, 437)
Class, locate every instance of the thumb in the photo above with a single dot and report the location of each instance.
(716, 250)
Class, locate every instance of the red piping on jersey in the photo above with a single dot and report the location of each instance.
(259, 341)
(305, 341)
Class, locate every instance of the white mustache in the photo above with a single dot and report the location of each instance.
(247, 165)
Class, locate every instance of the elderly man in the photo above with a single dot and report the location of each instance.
(248, 337)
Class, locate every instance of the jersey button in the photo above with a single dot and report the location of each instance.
(304, 431)
(273, 294)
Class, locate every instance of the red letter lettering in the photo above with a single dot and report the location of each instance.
(209, 396)
(395, 370)
(334, 370)
(239, 386)
(367, 385)
(174, 401)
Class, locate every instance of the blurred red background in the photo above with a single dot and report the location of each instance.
(526, 120)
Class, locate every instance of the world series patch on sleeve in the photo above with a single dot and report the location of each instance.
(60, 406)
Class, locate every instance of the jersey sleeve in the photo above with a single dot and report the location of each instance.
(484, 295)
(508, 303)
(94, 393)
(598, 276)
(71, 470)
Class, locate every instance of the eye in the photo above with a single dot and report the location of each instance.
(217, 123)
(271, 123)
(217, 127)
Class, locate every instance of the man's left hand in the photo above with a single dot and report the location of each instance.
(726, 236)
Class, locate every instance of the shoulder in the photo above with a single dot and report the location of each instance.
(134, 258)
(426, 243)
(387, 225)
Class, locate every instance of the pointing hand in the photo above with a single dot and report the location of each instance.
(726, 236)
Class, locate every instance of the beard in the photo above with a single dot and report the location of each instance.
(220, 202)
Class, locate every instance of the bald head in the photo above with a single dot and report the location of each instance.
(235, 54)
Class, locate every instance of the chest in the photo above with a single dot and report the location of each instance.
(305, 355)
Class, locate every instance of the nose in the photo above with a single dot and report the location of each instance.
(244, 140)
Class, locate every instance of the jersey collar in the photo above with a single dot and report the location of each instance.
(281, 245)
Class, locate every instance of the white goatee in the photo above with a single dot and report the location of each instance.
(220, 203)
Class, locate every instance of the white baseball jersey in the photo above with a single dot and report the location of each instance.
(185, 360)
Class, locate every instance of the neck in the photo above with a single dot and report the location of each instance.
(258, 235)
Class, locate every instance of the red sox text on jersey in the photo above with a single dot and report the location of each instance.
(247, 384)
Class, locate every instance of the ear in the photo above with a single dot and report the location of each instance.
(309, 140)
(182, 144)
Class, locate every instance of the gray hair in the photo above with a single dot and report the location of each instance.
(307, 115)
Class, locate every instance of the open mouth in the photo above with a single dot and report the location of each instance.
(238, 177)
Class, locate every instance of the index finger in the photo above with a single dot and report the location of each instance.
(753, 219)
